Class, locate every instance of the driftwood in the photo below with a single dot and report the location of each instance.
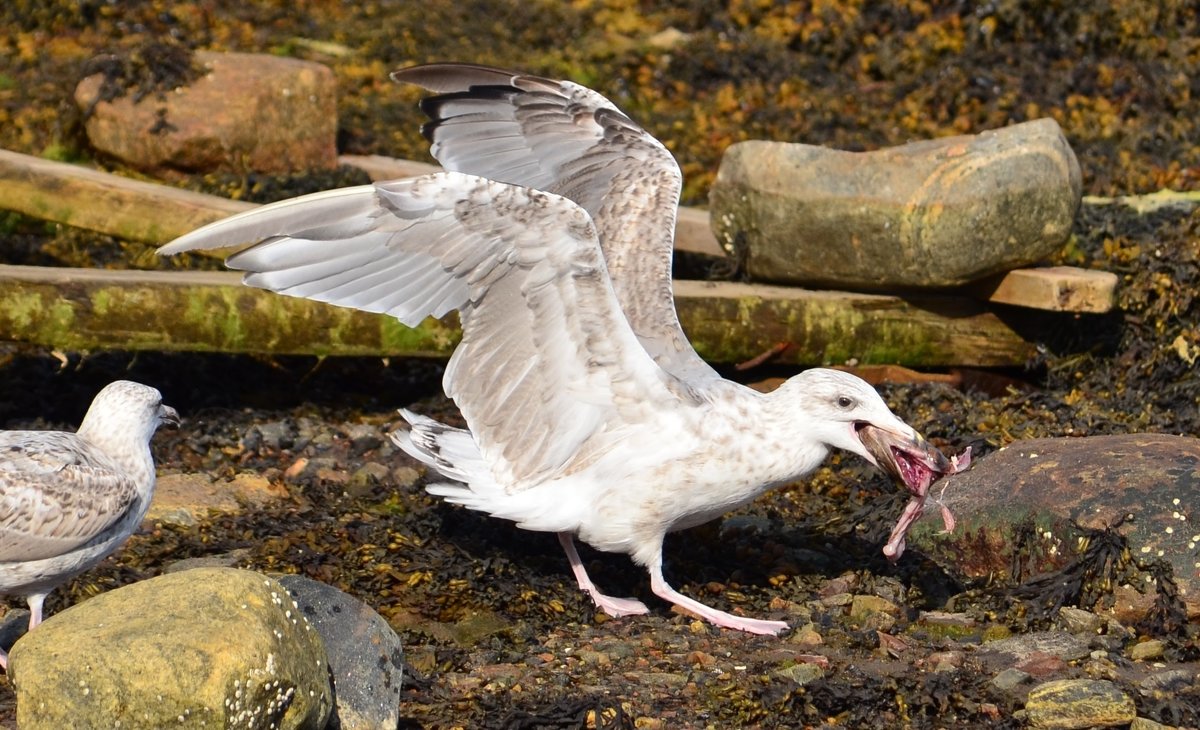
(88, 309)
(140, 211)
(99, 201)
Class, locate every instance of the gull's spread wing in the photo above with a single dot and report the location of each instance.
(566, 139)
(547, 361)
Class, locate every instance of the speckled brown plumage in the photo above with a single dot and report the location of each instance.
(67, 500)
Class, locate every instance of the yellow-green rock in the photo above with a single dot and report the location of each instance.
(210, 647)
(1066, 704)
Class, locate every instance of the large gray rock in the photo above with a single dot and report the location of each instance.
(211, 647)
(249, 113)
(1147, 486)
(928, 214)
(366, 658)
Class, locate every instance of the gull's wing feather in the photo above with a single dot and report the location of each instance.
(56, 494)
(354, 207)
(566, 139)
(547, 364)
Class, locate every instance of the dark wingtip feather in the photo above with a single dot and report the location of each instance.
(432, 105)
(449, 77)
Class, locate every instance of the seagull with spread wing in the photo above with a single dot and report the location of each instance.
(68, 500)
(589, 414)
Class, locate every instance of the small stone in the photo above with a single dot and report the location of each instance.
(316, 469)
(943, 618)
(184, 499)
(363, 438)
(273, 435)
(843, 584)
(801, 674)
(862, 606)
(404, 476)
(219, 560)
(1068, 704)
(1166, 683)
(1010, 679)
(1141, 723)
(1146, 651)
(1041, 665)
(944, 661)
(837, 599)
(1078, 621)
(701, 658)
(806, 636)
(1060, 644)
(366, 477)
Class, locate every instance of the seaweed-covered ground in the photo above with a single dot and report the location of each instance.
(495, 631)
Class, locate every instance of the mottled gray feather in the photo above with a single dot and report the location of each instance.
(566, 139)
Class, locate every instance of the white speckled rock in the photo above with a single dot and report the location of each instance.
(210, 647)
(365, 655)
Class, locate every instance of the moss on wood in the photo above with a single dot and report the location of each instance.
(86, 309)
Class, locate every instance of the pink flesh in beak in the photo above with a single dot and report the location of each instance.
(917, 465)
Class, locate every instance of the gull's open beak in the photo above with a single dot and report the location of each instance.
(909, 458)
(167, 414)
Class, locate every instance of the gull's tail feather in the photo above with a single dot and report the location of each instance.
(451, 452)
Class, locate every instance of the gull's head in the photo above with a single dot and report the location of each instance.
(843, 411)
(126, 410)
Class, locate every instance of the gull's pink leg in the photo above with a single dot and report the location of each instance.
(612, 606)
(35, 617)
(712, 615)
(35, 609)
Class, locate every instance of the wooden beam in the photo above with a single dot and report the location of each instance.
(1054, 288)
(99, 201)
(89, 309)
(141, 211)
(380, 167)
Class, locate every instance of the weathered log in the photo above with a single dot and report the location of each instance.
(99, 201)
(140, 211)
(87, 309)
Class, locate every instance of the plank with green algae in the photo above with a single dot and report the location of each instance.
(90, 309)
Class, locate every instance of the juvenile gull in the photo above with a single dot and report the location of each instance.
(588, 412)
(68, 500)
